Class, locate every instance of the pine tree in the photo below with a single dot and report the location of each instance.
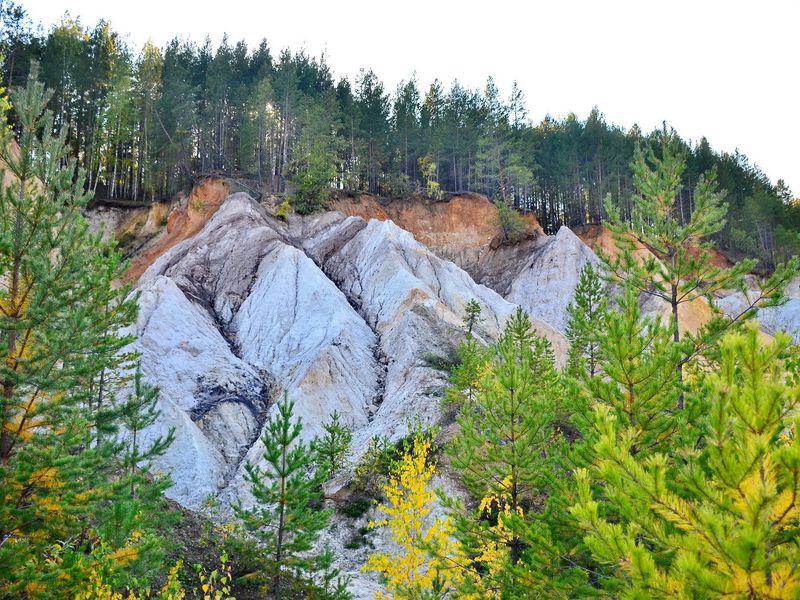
(331, 448)
(508, 220)
(287, 517)
(473, 361)
(61, 463)
(719, 519)
(137, 413)
(587, 314)
(472, 315)
(505, 454)
(639, 382)
(680, 268)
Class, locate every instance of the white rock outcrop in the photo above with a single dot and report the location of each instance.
(339, 312)
(546, 284)
(784, 318)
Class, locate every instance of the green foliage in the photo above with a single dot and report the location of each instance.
(72, 500)
(678, 269)
(371, 473)
(472, 315)
(427, 167)
(509, 221)
(472, 362)
(144, 121)
(375, 464)
(138, 412)
(283, 209)
(356, 508)
(713, 520)
(287, 517)
(638, 381)
(465, 378)
(313, 181)
(331, 448)
(587, 314)
(506, 453)
(441, 363)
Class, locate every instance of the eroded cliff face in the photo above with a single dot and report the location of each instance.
(336, 310)
(460, 229)
(177, 221)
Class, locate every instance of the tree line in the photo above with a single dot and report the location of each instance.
(144, 123)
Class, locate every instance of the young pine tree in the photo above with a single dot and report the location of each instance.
(505, 454)
(473, 360)
(331, 448)
(137, 413)
(717, 520)
(288, 517)
(639, 382)
(60, 459)
(587, 314)
(680, 269)
(508, 220)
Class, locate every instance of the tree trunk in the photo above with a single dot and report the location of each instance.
(676, 337)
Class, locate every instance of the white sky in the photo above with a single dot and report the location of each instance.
(727, 70)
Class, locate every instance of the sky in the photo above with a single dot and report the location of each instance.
(729, 71)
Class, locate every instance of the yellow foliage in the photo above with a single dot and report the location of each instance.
(494, 552)
(124, 556)
(429, 554)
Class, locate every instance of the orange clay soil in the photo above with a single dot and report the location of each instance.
(183, 222)
(458, 222)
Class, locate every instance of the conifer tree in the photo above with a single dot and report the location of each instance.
(472, 315)
(331, 448)
(508, 220)
(714, 520)
(587, 313)
(60, 458)
(287, 517)
(137, 413)
(639, 381)
(473, 360)
(680, 269)
(505, 452)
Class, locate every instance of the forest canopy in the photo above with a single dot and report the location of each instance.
(144, 122)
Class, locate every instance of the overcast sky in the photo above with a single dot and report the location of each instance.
(729, 71)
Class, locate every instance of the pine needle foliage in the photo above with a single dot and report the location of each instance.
(587, 313)
(508, 220)
(639, 381)
(679, 269)
(505, 453)
(473, 361)
(288, 516)
(332, 446)
(717, 520)
(66, 507)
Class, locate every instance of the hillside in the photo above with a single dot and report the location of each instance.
(236, 305)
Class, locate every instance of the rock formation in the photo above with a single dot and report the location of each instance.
(338, 311)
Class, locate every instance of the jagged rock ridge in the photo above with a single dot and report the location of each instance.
(337, 311)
